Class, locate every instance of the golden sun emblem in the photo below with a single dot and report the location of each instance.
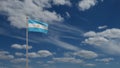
(37, 25)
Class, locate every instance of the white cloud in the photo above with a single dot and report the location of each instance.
(19, 60)
(18, 46)
(17, 11)
(40, 62)
(102, 27)
(44, 53)
(4, 52)
(50, 62)
(90, 34)
(72, 60)
(57, 32)
(19, 54)
(82, 54)
(4, 55)
(86, 4)
(33, 55)
(86, 54)
(64, 44)
(89, 65)
(40, 53)
(62, 2)
(68, 14)
(107, 39)
(110, 33)
(96, 40)
(68, 60)
(102, 0)
(106, 60)
(43, 3)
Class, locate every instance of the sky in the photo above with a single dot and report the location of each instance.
(81, 34)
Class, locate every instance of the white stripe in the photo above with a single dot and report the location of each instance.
(34, 25)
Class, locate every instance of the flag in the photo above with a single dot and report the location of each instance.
(37, 26)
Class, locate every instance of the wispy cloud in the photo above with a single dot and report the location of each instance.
(64, 44)
(68, 60)
(102, 27)
(56, 31)
(105, 60)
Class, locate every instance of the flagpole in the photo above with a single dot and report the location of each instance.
(27, 42)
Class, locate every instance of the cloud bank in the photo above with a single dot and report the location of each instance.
(18, 10)
(107, 39)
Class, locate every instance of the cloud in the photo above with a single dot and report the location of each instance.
(33, 55)
(40, 53)
(108, 33)
(107, 39)
(102, 27)
(42, 3)
(86, 54)
(86, 4)
(102, 0)
(96, 40)
(62, 2)
(4, 52)
(67, 60)
(4, 55)
(64, 44)
(18, 35)
(19, 54)
(82, 54)
(19, 60)
(55, 30)
(58, 31)
(17, 11)
(18, 46)
(35, 9)
(44, 53)
(50, 62)
(71, 60)
(68, 14)
(90, 34)
(89, 65)
(105, 60)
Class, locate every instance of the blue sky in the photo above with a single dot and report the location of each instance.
(82, 33)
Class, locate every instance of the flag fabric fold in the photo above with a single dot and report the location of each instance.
(37, 26)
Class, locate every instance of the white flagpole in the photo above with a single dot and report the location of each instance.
(27, 42)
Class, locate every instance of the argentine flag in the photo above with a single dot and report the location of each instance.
(37, 26)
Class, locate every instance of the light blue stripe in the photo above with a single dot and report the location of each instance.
(38, 30)
(37, 22)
